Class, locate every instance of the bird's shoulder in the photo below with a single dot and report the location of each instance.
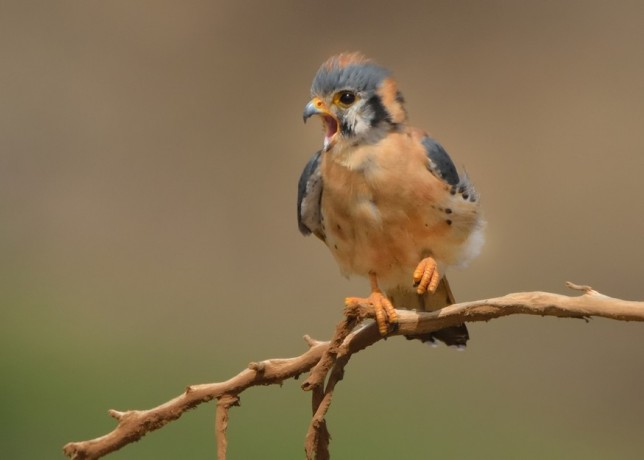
(439, 162)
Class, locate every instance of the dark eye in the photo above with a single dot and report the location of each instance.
(345, 98)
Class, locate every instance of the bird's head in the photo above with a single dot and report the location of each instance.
(357, 100)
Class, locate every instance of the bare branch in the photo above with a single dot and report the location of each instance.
(133, 425)
(590, 303)
(333, 356)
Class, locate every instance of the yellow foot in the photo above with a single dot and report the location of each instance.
(385, 313)
(426, 276)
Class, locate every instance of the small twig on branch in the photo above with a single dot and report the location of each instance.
(321, 369)
(224, 403)
(134, 424)
(317, 436)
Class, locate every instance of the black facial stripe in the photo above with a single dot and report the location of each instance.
(379, 111)
(345, 128)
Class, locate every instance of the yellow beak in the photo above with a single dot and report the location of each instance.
(316, 106)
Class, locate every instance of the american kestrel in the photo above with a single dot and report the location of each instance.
(384, 197)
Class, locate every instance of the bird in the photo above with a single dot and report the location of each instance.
(385, 197)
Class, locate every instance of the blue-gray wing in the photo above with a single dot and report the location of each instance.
(309, 196)
(441, 165)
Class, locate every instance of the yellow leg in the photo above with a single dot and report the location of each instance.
(386, 317)
(426, 276)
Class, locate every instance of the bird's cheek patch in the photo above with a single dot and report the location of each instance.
(388, 93)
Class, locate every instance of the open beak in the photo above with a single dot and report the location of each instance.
(316, 106)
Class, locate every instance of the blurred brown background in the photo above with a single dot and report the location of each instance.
(149, 155)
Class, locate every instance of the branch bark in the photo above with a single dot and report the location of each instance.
(330, 358)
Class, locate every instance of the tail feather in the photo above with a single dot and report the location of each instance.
(408, 298)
